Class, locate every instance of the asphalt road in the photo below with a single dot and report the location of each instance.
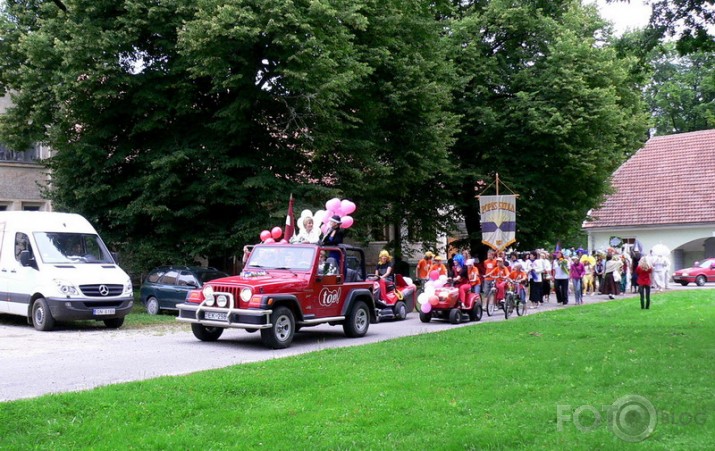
(76, 357)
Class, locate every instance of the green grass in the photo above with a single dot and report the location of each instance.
(488, 386)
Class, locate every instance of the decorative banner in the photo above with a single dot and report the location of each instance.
(498, 216)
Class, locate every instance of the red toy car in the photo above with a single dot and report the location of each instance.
(394, 302)
(445, 304)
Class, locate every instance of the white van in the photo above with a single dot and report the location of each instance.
(54, 266)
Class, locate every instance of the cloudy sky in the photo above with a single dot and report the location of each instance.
(625, 15)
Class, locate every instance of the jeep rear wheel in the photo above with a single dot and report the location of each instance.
(204, 333)
(358, 321)
(280, 335)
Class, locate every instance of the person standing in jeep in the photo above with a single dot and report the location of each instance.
(281, 290)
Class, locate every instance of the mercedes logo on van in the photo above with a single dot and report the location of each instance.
(103, 290)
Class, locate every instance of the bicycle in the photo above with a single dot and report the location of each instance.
(513, 301)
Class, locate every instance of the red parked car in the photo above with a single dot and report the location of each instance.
(699, 273)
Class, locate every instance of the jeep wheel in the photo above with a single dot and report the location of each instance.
(358, 321)
(204, 333)
(400, 310)
(41, 316)
(281, 334)
(114, 323)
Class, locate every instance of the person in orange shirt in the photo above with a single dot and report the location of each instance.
(439, 266)
(499, 276)
(424, 266)
(473, 281)
(519, 277)
(489, 264)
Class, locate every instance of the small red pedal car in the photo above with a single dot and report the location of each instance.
(394, 302)
(445, 305)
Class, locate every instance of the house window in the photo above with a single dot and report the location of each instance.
(31, 207)
(3, 207)
(380, 233)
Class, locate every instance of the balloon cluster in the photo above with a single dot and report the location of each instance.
(272, 236)
(429, 298)
(334, 207)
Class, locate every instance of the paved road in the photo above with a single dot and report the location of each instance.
(76, 357)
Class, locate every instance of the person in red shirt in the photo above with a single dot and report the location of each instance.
(644, 271)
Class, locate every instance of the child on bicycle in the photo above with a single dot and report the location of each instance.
(500, 276)
(519, 277)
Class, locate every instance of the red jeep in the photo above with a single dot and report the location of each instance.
(282, 288)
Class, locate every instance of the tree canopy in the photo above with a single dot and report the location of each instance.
(181, 127)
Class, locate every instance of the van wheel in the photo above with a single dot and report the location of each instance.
(41, 316)
(114, 323)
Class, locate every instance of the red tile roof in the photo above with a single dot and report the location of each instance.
(671, 180)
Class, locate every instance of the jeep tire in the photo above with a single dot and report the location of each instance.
(280, 335)
(358, 320)
(204, 333)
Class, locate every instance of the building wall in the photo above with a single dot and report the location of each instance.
(686, 243)
(20, 186)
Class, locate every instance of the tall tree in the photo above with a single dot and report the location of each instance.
(681, 95)
(181, 127)
(547, 105)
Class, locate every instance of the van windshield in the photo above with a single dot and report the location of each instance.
(58, 248)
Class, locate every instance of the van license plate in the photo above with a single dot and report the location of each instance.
(103, 311)
(217, 316)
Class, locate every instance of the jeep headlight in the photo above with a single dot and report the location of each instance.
(66, 288)
(246, 294)
(208, 292)
(222, 300)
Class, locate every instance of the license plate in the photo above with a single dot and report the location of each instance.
(104, 311)
(216, 316)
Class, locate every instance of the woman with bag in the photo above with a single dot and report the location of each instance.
(612, 276)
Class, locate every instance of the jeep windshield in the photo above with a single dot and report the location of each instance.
(298, 258)
(71, 248)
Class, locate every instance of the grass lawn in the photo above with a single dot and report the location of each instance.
(545, 381)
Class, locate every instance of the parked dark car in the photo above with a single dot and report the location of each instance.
(699, 273)
(167, 286)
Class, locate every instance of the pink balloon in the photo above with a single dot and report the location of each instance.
(339, 211)
(324, 228)
(333, 204)
(434, 275)
(347, 206)
(265, 235)
(269, 241)
(276, 232)
(346, 222)
(426, 307)
(283, 241)
(328, 214)
(434, 299)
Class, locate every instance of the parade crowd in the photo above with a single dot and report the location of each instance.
(539, 274)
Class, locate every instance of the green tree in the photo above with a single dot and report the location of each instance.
(547, 105)
(681, 95)
(181, 127)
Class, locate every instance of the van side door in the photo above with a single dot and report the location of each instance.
(21, 280)
(4, 270)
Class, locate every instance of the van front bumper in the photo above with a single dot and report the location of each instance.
(64, 309)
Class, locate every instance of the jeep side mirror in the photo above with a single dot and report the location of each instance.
(339, 278)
